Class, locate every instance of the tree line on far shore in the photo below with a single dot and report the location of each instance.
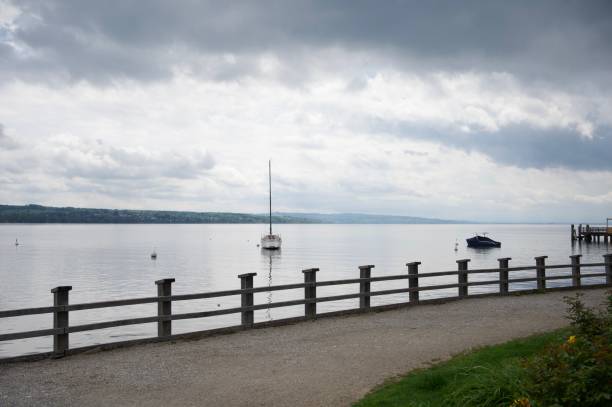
(45, 214)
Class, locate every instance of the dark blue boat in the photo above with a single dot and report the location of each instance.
(482, 242)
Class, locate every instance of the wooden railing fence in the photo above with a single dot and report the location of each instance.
(61, 307)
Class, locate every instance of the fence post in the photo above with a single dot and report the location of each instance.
(364, 286)
(541, 272)
(413, 281)
(164, 307)
(576, 269)
(60, 320)
(608, 261)
(462, 266)
(503, 275)
(246, 299)
(310, 292)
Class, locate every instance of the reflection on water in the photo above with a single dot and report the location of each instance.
(484, 250)
(270, 255)
(105, 262)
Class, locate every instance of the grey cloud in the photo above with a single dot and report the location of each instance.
(414, 153)
(122, 188)
(374, 187)
(521, 145)
(367, 163)
(99, 41)
(98, 161)
(6, 142)
(65, 165)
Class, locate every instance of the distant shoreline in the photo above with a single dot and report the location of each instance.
(38, 214)
(262, 223)
(289, 223)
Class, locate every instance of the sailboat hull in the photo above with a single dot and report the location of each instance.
(271, 242)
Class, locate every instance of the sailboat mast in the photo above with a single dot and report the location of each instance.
(270, 190)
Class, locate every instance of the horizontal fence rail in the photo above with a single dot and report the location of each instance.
(164, 299)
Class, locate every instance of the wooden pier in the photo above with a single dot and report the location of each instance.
(593, 234)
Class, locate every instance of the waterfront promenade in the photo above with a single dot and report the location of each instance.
(327, 362)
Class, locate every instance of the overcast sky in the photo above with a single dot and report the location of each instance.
(479, 110)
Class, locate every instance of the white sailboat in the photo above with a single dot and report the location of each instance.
(270, 241)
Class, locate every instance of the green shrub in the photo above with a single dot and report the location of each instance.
(577, 372)
(587, 323)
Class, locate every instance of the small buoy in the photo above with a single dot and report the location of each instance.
(153, 255)
(16, 242)
(257, 244)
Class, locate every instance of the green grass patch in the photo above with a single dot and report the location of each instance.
(491, 373)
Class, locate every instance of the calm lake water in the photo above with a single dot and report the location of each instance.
(103, 262)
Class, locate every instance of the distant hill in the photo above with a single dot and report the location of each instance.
(47, 214)
(348, 218)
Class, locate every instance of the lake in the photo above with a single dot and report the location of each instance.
(103, 262)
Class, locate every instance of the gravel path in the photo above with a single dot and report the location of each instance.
(329, 362)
